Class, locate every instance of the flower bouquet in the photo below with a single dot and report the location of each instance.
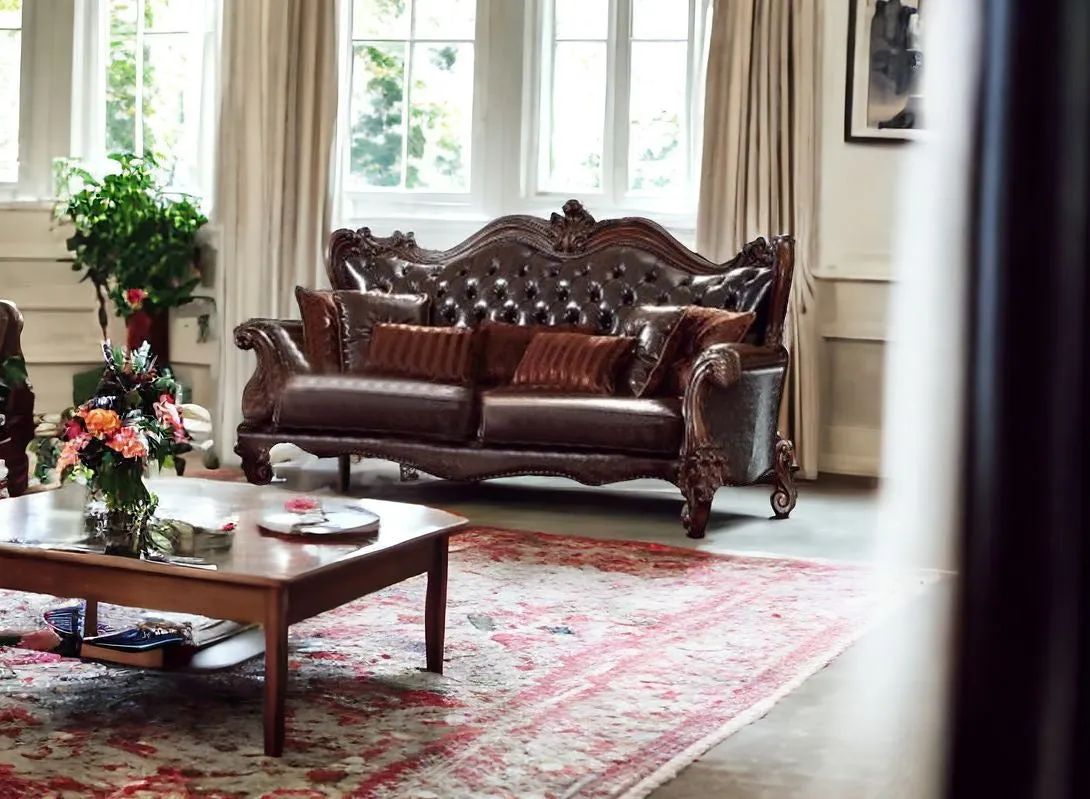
(131, 421)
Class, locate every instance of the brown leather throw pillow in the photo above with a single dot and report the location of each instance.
(438, 354)
(657, 330)
(321, 329)
(359, 311)
(573, 363)
(701, 328)
(504, 344)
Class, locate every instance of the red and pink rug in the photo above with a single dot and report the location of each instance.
(576, 668)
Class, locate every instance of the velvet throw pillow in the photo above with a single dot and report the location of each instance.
(702, 328)
(321, 329)
(573, 363)
(358, 312)
(504, 344)
(438, 354)
(657, 330)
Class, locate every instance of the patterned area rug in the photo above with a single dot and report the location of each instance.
(575, 668)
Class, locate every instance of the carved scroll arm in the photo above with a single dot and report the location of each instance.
(716, 370)
(278, 345)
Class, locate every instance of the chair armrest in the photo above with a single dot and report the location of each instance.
(278, 345)
(732, 406)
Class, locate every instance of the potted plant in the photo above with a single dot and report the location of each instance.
(135, 244)
(132, 420)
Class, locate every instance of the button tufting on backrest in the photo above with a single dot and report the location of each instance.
(510, 280)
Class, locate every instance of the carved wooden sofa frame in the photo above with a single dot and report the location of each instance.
(730, 407)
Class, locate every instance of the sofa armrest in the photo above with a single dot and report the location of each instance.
(732, 406)
(278, 345)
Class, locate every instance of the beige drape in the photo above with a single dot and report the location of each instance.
(760, 168)
(273, 207)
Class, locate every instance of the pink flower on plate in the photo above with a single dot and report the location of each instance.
(228, 526)
(302, 505)
(135, 298)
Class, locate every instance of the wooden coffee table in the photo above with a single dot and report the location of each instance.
(261, 579)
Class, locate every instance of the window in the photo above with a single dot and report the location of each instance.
(11, 35)
(475, 108)
(411, 107)
(620, 101)
(147, 86)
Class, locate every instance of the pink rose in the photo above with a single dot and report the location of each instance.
(302, 505)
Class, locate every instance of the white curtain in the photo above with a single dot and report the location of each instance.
(761, 165)
(278, 112)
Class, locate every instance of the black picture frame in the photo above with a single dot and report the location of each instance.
(857, 128)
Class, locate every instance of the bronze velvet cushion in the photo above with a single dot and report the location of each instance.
(359, 311)
(657, 330)
(573, 363)
(504, 344)
(321, 329)
(700, 329)
(437, 354)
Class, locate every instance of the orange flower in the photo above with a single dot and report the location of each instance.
(129, 442)
(101, 423)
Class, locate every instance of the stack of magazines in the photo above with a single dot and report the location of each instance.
(153, 641)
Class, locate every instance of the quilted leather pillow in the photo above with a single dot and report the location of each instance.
(504, 344)
(358, 313)
(657, 330)
(701, 328)
(573, 363)
(438, 354)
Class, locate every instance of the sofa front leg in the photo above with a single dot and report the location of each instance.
(255, 461)
(344, 473)
(409, 474)
(784, 493)
(701, 474)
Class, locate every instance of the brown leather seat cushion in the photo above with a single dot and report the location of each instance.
(380, 405)
(605, 424)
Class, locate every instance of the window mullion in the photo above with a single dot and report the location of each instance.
(620, 63)
(407, 97)
(138, 111)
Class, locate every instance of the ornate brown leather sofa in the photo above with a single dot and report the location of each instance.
(17, 410)
(569, 269)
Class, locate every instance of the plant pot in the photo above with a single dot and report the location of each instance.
(152, 327)
(126, 532)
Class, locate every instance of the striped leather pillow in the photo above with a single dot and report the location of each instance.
(573, 363)
(439, 354)
(504, 345)
(700, 329)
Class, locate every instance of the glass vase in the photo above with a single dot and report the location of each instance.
(125, 532)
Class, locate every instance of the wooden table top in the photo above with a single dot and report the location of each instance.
(31, 523)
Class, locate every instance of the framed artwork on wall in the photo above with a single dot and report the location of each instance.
(885, 59)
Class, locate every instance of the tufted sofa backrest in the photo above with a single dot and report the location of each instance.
(565, 270)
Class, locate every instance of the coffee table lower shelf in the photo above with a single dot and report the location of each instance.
(225, 654)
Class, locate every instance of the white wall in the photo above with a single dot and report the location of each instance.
(858, 193)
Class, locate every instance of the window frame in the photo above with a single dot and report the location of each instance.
(88, 96)
(615, 193)
(45, 76)
(361, 203)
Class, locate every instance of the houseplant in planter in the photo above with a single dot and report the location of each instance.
(109, 441)
(136, 244)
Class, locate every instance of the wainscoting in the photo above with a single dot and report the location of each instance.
(853, 308)
(61, 335)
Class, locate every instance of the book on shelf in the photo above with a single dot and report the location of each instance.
(156, 640)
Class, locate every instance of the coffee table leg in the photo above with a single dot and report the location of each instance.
(276, 673)
(435, 608)
(90, 617)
